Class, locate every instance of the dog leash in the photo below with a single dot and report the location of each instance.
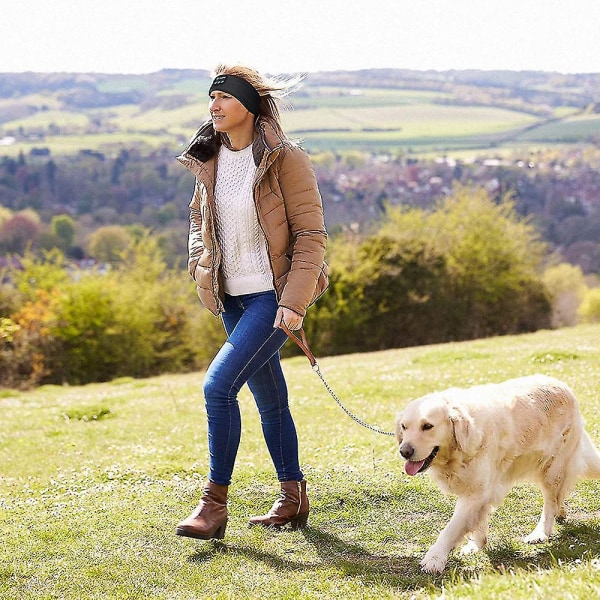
(303, 345)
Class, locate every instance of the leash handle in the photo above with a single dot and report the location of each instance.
(302, 343)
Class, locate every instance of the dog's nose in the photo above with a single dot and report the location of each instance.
(406, 451)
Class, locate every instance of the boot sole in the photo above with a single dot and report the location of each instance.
(218, 533)
(299, 522)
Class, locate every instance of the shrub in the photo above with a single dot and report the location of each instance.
(25, 342)
(589, 311)
(76, 327)
(567, 288)
(138, 321)
(467, 269)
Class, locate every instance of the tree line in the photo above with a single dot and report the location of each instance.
(557, 189)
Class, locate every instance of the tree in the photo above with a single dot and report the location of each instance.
(107, 244)
(63, 228)
(494, 262)
(19, 232)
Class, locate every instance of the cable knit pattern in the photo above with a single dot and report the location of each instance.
(245, 265)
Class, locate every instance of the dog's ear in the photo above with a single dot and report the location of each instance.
(465, 434)
(398, 428)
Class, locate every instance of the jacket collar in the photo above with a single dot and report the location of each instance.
(205, 144)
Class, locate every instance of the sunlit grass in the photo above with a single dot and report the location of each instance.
(95, 478)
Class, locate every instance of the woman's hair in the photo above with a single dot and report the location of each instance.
(270, 89)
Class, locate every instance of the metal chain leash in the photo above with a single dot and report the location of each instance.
(317, 370)
(303, 344)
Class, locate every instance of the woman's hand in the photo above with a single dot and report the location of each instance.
(291, 319)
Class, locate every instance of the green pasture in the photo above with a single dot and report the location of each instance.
(572, 129)
(324, 117)
(53, 118)
(340, 97)
(94, 479)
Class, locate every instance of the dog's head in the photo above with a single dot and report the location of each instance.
(431, 425)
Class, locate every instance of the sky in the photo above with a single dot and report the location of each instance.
(280, 36)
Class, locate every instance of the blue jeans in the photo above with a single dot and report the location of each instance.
(250, 355)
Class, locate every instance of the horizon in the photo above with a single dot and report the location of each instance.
(130, 38)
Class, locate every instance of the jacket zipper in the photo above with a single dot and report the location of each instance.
(216, 251)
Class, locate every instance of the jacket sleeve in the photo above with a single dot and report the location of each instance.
(195, 242)
(304, 213)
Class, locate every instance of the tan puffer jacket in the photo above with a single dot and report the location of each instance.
(289, 209)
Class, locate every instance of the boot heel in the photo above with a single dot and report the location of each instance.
(219, 533)
(299, 522)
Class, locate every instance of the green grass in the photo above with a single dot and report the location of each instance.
(93, 480)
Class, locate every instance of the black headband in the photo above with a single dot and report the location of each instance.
(239, 88)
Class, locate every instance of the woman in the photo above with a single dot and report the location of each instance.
(256, 246)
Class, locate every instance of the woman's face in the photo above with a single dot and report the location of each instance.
(228, 114)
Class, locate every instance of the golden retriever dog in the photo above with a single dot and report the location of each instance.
(477, 442)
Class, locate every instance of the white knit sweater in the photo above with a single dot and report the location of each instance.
(245, 265)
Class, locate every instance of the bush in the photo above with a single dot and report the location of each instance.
(567, 288)
(25, 343)
(139, 320)
(467, 269)
(589, 311)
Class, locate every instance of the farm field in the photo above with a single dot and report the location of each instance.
(401, 119)
(94, 479)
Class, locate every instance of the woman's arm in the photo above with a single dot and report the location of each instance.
(304, 211)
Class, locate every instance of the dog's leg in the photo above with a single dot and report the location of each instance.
(556, 484)
(478, 538)
(544, 527)
(554, 506)
(467, 517)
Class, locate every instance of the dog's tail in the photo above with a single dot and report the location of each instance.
(590, 458)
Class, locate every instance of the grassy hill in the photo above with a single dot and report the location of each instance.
(371, 110)
(95, 478)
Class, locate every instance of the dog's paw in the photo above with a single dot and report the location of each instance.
(433, 564)
(536, 537)
(470, 547)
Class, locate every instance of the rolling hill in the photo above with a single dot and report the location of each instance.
(373, 110)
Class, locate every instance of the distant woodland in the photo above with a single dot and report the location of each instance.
(558, 189)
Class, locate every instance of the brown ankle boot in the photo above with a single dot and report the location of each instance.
(291, 507)
(209, 519)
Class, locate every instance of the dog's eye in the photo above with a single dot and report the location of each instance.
(426, 426)
(403, 426)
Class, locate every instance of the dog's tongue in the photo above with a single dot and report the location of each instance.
(413, 467)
